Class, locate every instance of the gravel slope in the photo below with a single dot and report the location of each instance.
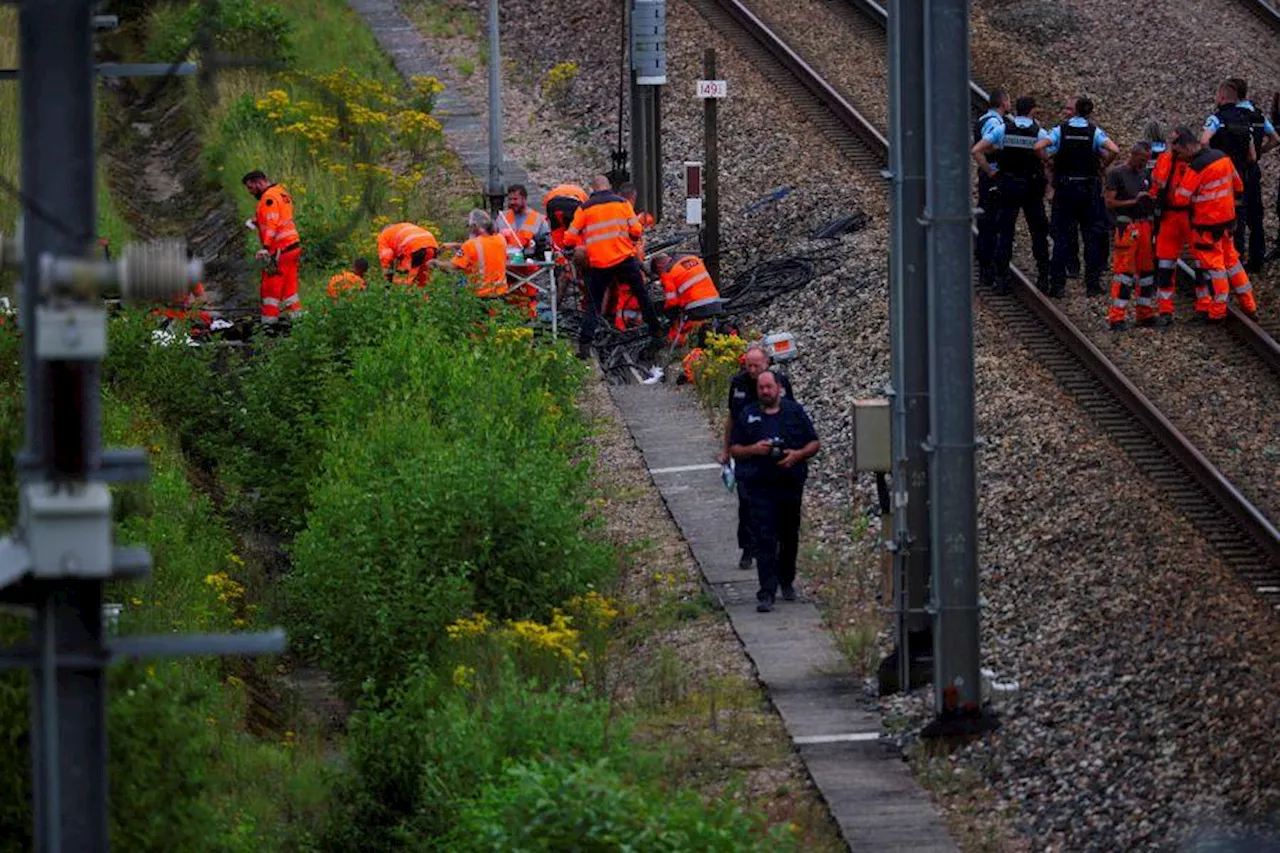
(1148, 670)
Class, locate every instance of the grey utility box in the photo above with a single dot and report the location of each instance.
(872, 447)
(649, 42)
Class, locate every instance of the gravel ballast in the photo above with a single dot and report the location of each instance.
(1147, 671)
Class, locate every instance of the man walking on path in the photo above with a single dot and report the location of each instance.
(772, 441)
(742, 392)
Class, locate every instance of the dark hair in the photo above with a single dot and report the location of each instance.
(255, 175)
(996, 98)
(1230, 86)
(1183, 135)
(1241, 87)
(518, 188)
(1141, 146)
(1024, 105)
(418, 258)
(1084, 106)
(360, 265)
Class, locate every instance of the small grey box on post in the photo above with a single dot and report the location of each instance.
(872, 449)
(649, 42)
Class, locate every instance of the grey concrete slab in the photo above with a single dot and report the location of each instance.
(868, 789)
(465, 124)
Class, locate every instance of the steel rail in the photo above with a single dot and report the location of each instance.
(1260, 563)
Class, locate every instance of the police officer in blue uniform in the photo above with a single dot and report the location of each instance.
(742, 393)
(985, 246)
(1081, 151)
(1242, 132)
(1020, 185)
(772, 442)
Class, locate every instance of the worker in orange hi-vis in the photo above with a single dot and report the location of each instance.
(349, 280)
(525, 229)
(1172, 234)
(1211, 184)
(1128, 200)
(686, 287)
(406, 248)
(281, 247)
(627, 311)
(482, 258)
(560, 203)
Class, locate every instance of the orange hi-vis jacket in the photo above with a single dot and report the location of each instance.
(521, 230)
(344, 281)
(687, 284)
(1165, 178)
(484, 260)
(607, 227)
(397, 243)
(274, 220)
(1210, 185)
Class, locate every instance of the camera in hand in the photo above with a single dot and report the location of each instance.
(775, 448)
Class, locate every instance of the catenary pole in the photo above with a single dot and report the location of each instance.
(909, 331)
(496, 191)
(952, 481)
(69, 748)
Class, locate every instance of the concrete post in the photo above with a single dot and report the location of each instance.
(952, 481)
(909, 333)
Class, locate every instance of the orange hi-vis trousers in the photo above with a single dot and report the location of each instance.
(280, 287)
(1215, 250)
(1132, 263)
(1172, 237)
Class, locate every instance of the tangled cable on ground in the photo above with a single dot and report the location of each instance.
(756, 287)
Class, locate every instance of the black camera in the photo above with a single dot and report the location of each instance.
(775, 448)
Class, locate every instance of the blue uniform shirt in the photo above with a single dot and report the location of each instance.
(790, 424)
(986, 119)
(1100, 137)
(1213, 124)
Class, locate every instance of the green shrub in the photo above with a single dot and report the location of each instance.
(12, 414)
(555, 805)
(460, 491)
(415, 762)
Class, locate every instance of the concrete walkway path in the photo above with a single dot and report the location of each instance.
(866, 785)
(873, 798)
(466, 126)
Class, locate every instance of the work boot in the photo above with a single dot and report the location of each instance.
(584, 350)
(1147, 322)
(1200, 319)
(765, 605)
(1121, 326)
(745, 562)
(788, 593)
(1164, 321)
(1002, 286)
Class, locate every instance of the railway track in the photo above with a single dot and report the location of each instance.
(1242, 535)
(1259, 335)
(1267, 10)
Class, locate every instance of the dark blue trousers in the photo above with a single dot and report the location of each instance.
(774, 508)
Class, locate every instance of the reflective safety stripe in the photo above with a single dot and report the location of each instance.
(1184, 191)
(291, 300)
(1122, 278)
(1167, 265)
(271, 300)
(1215, 183)
(479, 260)
(1242, 288)
(1219, 297)
(1235, 269)
(1165, 293)
(1146, 301)
(608, 223)
(702, 276)
(1217, 273)
(1202, 292)
(1146, 280)
(609, 235)
(1120, 303)
(269, 319)
(1201, 196)
(698, 303)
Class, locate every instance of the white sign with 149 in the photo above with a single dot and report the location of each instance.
(712, 88)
